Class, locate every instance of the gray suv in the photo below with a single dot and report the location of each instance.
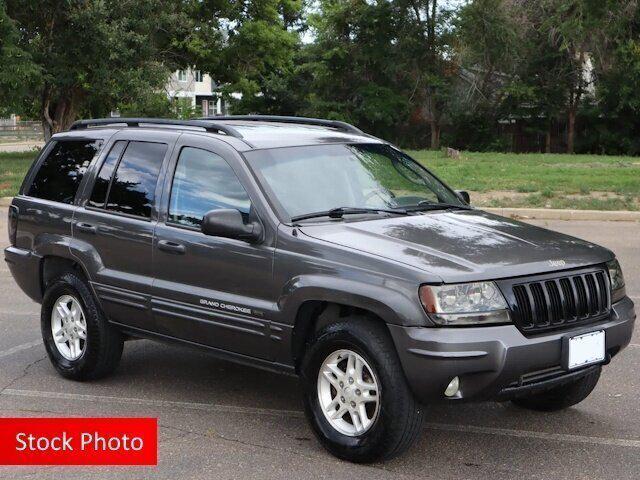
(307, 247)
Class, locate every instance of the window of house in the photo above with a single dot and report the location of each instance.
(132, 186)
(61, 172)
(198, 76)
(204, 181)
(182, 75)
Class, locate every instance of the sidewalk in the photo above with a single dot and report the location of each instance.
(21, 146)
(556, 214)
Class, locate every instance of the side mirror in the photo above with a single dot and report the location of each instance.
(464, 196)
(228, 223)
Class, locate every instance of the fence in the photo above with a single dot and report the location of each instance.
(13, 130)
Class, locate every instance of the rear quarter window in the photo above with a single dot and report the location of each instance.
(61, 172)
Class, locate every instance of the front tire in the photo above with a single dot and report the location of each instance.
(77, 336)
(561, 397)
(355, 393)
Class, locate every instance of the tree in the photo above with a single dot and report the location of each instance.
(93, 54)
(18, 71)
(425, 36)
(353, 68)
(490, 50)
(566, 35)
(256, 42)
(615, 123)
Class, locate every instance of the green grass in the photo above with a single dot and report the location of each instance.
(13, 168)
(535, 180)
(535, 172)
(547, 178)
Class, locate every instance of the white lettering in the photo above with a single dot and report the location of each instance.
(225, 306)
(19, 439)
(96, 442)
(32, 443)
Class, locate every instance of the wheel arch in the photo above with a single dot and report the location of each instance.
(53, 266)
(308, 298)
(314, 315)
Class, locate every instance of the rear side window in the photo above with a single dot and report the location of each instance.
(101, 187)
(133, 184)
(61, 172)
(204, 181)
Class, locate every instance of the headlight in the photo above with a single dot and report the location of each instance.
(476, 303)
(617, 281)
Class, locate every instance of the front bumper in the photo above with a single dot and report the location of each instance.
(497, 362)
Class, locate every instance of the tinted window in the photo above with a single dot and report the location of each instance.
(101, 187)
(134, 184)
(61, 172)
(204, 181)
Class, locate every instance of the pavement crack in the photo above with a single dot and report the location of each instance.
(25, 372)
(268, 448)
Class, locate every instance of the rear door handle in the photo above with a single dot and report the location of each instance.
(171, 247)
(86, 227)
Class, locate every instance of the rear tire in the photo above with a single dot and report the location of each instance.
(561, 397)
(395, 420)
(99, 354)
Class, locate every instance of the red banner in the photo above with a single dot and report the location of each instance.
(78, 441)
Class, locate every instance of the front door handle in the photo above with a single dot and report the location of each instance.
(171, 247)
(86, 227)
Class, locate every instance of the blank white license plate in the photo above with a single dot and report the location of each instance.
(586, 349)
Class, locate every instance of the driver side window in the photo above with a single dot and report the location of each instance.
(203, 181)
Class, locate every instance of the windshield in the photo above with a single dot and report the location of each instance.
(304, 180)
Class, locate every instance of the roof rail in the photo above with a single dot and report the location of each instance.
(207, 125)
(344, 126)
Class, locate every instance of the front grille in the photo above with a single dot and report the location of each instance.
(556, 302)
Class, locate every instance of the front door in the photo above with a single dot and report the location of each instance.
(209, 290)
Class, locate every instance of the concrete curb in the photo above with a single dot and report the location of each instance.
(529, 213)
(557, 214)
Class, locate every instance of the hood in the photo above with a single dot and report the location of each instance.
(463, 245)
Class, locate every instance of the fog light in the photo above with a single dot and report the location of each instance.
(453, 387)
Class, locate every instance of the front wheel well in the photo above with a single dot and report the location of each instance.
(314, 315)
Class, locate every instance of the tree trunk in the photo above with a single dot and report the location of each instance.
(435, 135)
(47, 121)
(571, 130)
(547, 140)
(58, 114)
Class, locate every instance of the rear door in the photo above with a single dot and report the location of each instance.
(211, 290)
(114, 225)
(46, 201)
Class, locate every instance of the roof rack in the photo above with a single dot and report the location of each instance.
(344, 126)
(207, 125)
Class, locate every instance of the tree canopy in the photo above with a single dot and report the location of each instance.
(544, 75)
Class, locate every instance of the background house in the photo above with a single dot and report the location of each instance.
(197, 90)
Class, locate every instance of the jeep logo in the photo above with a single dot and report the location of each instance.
(557, 263)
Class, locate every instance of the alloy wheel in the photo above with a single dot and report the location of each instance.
(69, 327)
(348, 392)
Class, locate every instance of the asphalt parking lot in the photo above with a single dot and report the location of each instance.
(220, 420)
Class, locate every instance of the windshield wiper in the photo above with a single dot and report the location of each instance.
(341, 211)
(425, 205)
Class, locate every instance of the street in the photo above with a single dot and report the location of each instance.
(220, 420)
